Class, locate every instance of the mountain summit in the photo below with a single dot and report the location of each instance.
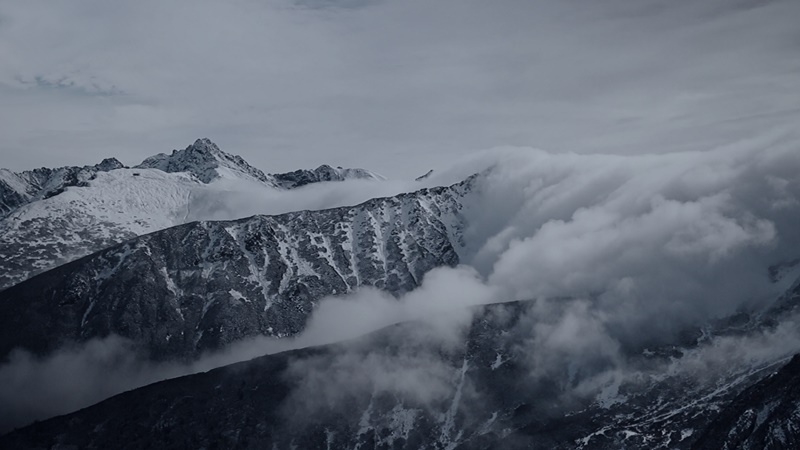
(206, 162)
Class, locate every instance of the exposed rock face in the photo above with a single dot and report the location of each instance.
(200, 286)
(479, 395)
(13, 192)
(298, 178)
(764, 416)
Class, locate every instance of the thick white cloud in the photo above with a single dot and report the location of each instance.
(688, 234)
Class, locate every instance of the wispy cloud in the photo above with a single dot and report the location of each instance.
(70, 84)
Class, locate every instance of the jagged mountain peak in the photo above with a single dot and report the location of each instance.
(109, 164)
(206, 162)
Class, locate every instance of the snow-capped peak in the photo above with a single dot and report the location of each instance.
(206, 162)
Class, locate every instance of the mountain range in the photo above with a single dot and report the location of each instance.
(108, 251)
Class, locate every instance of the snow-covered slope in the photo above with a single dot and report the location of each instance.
(114, 206)
(18, 189)
(196, 287)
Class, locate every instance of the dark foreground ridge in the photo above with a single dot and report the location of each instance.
(470, 390)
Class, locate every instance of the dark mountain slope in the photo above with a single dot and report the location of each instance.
(416, 386)
(764, 416)
(199, 286)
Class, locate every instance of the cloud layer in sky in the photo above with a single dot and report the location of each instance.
(395, 86)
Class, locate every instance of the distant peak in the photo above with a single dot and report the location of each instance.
(302, 177)
(109, 164)
(203, 145)
(204, 159)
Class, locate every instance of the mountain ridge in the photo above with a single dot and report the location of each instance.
(18, 189)
(303, 177)
(199, 286)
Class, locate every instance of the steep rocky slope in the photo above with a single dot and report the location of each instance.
(764, 416)
(199, 286)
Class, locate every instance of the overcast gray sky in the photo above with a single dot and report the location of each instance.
(394, 86)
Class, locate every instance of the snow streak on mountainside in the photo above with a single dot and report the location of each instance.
(764, 416)
(53, 216)
(200, 286)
